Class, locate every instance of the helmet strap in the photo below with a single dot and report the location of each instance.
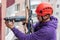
(43, 20)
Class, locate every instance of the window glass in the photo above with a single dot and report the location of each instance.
(17, 7)
(57, 5)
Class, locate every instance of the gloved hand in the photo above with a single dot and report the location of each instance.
(9, 24)
(24, 22)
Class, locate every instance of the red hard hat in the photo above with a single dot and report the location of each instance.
(44, 9)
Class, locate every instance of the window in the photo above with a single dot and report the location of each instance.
(33, 6)
(52, 4)
(17, 7)
(57, 5)
(57, 13)
(48, 0)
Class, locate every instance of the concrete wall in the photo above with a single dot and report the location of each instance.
(3, 10)
(0, 22)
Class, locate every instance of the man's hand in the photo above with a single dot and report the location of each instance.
(24, 22)
(9, 24)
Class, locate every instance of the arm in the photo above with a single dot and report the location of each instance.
(40, 34)
(18, 33)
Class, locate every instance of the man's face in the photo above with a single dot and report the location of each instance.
(39, 18)
(42, 18)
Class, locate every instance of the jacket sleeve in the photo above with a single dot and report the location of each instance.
(39, 35)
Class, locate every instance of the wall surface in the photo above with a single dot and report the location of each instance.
(0, 23)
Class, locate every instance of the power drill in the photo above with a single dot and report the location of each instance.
(15, 18)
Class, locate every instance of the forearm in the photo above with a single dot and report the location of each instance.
(18, 33)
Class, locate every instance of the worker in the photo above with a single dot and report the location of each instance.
(44, 29)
